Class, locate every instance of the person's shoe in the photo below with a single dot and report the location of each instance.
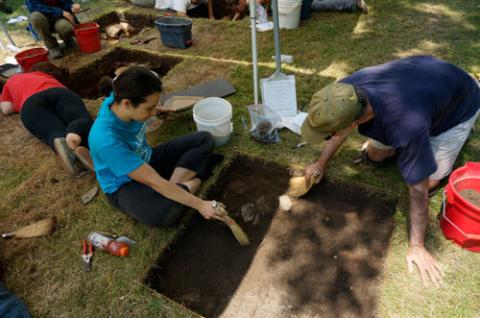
(70, 44)
(66, 155)
(362, 6)
(83, 157)
(55, 53)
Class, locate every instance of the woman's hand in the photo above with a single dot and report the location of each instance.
(67, 15)
(208, 211)
(163, 111)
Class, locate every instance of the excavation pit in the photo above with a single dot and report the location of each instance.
(84, 80)
(139, 22)
(324, 258)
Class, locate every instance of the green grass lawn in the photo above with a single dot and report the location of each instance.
(46, 272)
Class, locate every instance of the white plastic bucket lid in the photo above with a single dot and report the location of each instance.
(212, 110)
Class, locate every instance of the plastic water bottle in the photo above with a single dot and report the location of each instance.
(108, 244)
(261, 14)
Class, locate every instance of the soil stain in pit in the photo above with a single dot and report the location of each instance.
(84, 80)
(323, 258)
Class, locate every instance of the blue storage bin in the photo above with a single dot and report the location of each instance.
(175, 32)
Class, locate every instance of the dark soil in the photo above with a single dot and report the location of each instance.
(84, 80)
(138, 21)
(471, 196)
(323, 258)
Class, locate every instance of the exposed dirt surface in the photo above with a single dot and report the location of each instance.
(471, 196)
(84, 80)
(321, 259)
(138, 21)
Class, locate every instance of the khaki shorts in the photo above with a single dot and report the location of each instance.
(445, 146)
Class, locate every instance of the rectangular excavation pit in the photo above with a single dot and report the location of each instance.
(138, 21)
(322, 259)
(84, 80)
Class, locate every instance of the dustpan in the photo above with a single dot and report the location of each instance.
(278, 91)
(181, 103)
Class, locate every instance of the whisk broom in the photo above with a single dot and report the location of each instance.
(237, 231)
(298, 187)
(41, 228)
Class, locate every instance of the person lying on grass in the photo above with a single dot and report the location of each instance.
(153, 185)
(418, 110)
(51, 112)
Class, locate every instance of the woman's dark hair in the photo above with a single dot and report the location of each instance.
(61, 74)
(134, 84)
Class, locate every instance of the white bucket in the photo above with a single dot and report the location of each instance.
(289, 13)
(214, 115)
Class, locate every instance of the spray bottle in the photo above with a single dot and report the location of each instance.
(108, 244)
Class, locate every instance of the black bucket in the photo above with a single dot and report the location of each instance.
(175, 32)
(306, 9)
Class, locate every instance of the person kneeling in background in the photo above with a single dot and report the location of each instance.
(50, 16)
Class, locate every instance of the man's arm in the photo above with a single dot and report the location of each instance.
(417, 253)
(330, 148)
(211, 16)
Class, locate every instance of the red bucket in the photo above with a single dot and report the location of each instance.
(460, 221)
(26, 59)
(88, 36)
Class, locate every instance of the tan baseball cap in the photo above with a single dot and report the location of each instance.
(332, 108)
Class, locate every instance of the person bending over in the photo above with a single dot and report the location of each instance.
(153, 185)
(418, 110)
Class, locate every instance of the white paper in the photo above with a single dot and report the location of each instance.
(17, 19)
(278, 93)
(294, 124)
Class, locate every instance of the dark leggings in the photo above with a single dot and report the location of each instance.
(54, 113)
(143, 203)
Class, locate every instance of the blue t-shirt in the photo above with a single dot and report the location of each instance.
(117, 147)
(412, 99)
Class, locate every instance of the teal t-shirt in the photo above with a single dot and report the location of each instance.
(117, 147)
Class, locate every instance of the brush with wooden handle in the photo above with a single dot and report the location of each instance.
(41, 228)
(298, 187)
(237, 231)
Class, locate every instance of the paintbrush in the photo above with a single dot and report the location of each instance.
(41, 228)
(237, 231)
(298, 187)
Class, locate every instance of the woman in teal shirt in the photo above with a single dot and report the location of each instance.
(153, 185)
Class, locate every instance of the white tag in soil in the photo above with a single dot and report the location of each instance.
(278, 93)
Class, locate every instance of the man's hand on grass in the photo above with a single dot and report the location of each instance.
(426, 265)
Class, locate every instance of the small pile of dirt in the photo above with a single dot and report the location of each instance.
(471, 196)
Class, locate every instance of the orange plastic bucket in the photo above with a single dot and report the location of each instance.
(88, 36)
(26, 59)
(460, 221)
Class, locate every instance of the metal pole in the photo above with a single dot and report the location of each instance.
(254, 50)
(276, 35)
(4, 30)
